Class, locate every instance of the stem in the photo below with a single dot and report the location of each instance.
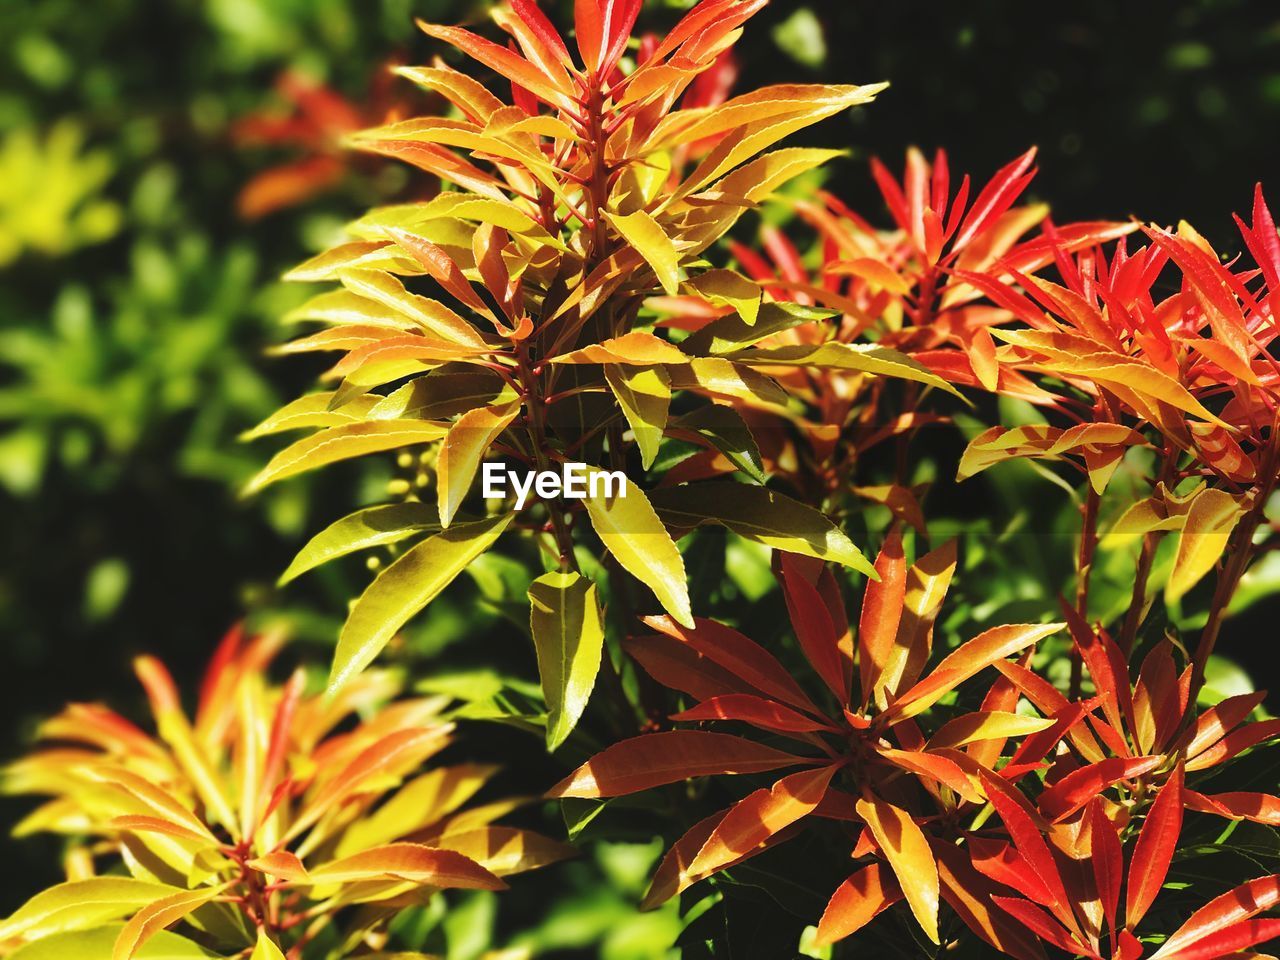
(1084, 566)
(538, 437)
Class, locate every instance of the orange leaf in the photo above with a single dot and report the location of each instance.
(751, 821)
(856, 903)
(881, 612)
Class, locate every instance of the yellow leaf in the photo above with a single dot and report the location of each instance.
(80, 905)
(860, 357)
(404, 588)
(905, 847)
(648, 238)
(636, 348)
(631, 531)
(468, 440)
(1213, 515)
(342, 443)
(644, 393)
(568, 636)
(266, 949)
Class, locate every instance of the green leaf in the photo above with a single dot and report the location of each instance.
(404, 588)
(79, 905)
(800, 36)
(731, 333)
(632, 532)
(724, 429)
(342, 443)
(568, 634)
(762, 515)
(648, 238)
(99, 943)
(463, 449)
(859, 357)
(728, 288)
(372, 527)
(644, 393)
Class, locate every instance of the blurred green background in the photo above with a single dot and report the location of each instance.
(138, 289)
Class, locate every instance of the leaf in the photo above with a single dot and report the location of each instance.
(404, 588)
(968, 659)
(636, 348)
(714, 376)
(857, 902)
(728, 288)
(754, 819)
(644, 393)
(882, 606)
(97, 944)
(764, 516)
(1154, 850)
(568, 635)
(411, 862)
(266, 949)
(633, 534)
(855, 357)
(648, 238)
(1107, 857)
(757, 711)
(656, 759)
(1078, 787)
(725, 429)
(733, 333)
(908, 853)
(342, 443)
(1212, 517)
(505, 850)
(312, 410)
(387, 290)
(740, 656)
(80, 905)
(371, 527)
(986, 725)
(155, 916)
(926, 587)
(464, 447)
(1222, 914)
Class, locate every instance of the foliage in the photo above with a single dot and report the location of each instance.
(260, 818)
(1058, 435)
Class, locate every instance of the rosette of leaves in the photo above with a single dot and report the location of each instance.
(1190, 372)
(271, 821)
(883, 751)
(898, 289)
(503, 318)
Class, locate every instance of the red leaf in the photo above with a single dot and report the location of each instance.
(757, 711)
(680, 667)
(656, 759)
(1154, 850)
(739, 655)
(814, 629)
(1238, 805)
(1041, 924)
(1223, 913)
(1229, 942)
(1080, 786)
(1107, 856)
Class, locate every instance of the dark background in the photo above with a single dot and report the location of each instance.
(1158, 110)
